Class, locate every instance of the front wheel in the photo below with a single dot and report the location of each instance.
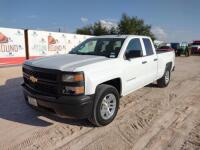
(164, 81)
(187, 54)
(106, 105)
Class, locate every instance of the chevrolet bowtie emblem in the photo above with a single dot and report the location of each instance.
(33, 79)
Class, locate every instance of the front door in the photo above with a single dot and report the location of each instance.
(134, 69)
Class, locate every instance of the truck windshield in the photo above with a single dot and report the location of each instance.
(108, 47)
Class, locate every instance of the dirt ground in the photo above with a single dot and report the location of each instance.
(150, 118)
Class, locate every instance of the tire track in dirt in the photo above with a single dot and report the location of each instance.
(47, 137)
(44, 137)
(193, 139)
(170, 99)
(169, 135)
(143, 123)
(149, 141)
(172, 136)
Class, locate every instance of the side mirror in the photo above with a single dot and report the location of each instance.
(133, 54)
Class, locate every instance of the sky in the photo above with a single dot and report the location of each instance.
(171, 20)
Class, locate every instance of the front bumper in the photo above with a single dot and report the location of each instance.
(69, 106)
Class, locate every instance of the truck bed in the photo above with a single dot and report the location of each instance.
(161, 51)
(163, 57)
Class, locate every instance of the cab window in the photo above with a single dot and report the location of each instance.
(148, 47)
(134, 45)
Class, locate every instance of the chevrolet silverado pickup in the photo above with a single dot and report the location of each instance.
(90, 80)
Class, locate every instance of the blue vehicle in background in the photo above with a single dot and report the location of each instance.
(175, 46)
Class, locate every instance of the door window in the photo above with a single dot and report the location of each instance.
(134, 45)
(148, 47)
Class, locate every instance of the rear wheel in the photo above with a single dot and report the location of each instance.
(164, 81)
(187, 54)
(106, 105)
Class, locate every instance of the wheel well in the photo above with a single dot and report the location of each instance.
(169, 65)
(116, 83)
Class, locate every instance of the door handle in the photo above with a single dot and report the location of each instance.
(155, 59)
(144, 62)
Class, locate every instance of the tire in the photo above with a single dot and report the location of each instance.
(178, 54)
(187, 54)
(103, 93)
(164, 81)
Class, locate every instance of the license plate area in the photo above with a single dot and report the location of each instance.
(32, 101)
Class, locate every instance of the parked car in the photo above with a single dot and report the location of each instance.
(195, 47)
(90, 80)
(165, 48)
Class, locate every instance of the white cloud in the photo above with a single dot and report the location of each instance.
(160, 33)
(108, 24)
(174, 34)
(84, 19)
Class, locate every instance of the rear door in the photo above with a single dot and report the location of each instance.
(150, 60)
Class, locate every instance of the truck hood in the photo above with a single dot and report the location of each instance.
(67, 62)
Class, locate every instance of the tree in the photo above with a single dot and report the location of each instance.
(98, 29)
(85, 30)
(114, 31)
(126, 25)
(133, 25)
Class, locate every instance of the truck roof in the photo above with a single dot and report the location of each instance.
(120, 36)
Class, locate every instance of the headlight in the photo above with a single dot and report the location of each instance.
(73, 77)
(73, 83)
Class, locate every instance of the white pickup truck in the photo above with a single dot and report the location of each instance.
(90, 80)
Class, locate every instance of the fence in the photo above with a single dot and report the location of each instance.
(17, 45)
